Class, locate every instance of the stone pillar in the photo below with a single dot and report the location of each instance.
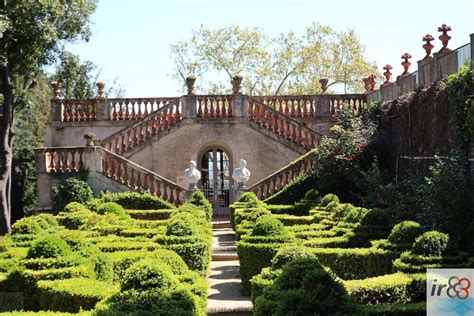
(240, 104)
(56, 110)
(102, 106)
(92, 160)
(189, 106)
(43, 180)
(324, 106)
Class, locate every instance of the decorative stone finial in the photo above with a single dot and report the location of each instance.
(241, 175)
(236, 84)
(192, 175)
(101, 90)
(190, 80)
(387, 74)
(89, 137)
(428, 46)
(324, 84)
(56, 90)
(405, 63)
(372, 78)
(444, 38)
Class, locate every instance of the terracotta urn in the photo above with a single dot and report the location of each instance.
(56, 90)
(324, 84)
(236, 84)
(190, 80)
(100, 90)
(387, 74)
(406, 64)
(444, 38)
(428, 46)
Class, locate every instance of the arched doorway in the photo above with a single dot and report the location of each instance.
(216, 181)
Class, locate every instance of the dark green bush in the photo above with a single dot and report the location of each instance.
(303, 288)
(154, 215)
(170, 258)
(136, 201)
(355, 215)
(74, 220)
(268, 225)
(404, 233)
(71, 190)
(432, 244)
(182, 224)
(149, 274)
(249, 214)
(248, 197)
(374, 225)
(199, 199)
(112, 208)
(312, 195)
(76, 239)
(49, 246)
(328, 198)
(196, 255)
(288, 253)
(342, 210)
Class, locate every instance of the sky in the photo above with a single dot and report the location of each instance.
(131, 38)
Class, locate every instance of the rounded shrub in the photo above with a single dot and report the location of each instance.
(49, 246)
(74, 207)
(432, 244)
(46, 221)
(149, 274)
(312, 195)
(181, 224)
(26, 226)
(268, 225)
(355, 215)
(328, 198)
(5, 243)
(304, 287)
(76, 239)
(375, 217)
(112, 208)
(170, 258)
(76, 219)
(288, 253)
(405, 233)
(248, 197)
(342, 210)
(199, 199)
(71, 190)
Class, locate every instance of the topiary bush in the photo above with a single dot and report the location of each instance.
(304, 287)
(182, 224)
(342, 210)
(49, 246)
(149, 274)
(199, 199)
(355, 215)
(248, 197)
(112, 208)
(328, 198)
(170, 258)
(26, 226)
(268, 225)
(71, 190)
(404, 233)
(288, 253)
(136, 201)
(432, 244)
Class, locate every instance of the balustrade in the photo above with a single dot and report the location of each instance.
(138, 178)
(63, 160)
(276, 181)
(134, 135)
(214, 106)
(293, 106)
(339, 102)
(79, 110)
(138, 108)
(292, 130)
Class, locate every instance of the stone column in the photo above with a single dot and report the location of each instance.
(56, 104)
(188, 103)
(324, 106)
(43, 180)
(102, 106)
(92, 160)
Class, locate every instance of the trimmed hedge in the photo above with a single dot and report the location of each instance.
(135, 200)
(390, 288)
(73, 295)
(386, 309)
(355, 263)
(151, 214)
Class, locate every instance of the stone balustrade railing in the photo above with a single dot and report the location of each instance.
(276, 181)
(430, 69)
(136, 108)
(97, 159)
(64, 159)
(138, 178)
(307, 106)
(78, 110)
(214, 106)
(285, 126)
(156, 122)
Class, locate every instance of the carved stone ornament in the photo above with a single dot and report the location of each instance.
(241, 175)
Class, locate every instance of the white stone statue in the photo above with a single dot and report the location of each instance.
(241, 175)
(192, 175)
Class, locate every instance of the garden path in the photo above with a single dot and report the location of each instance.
(225, 289)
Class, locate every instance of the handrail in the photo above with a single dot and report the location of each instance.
(136, 108)
(135, 134)
(281, 124)
(277, 180)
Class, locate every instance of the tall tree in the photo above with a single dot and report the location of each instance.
(31, 37)
(287, 63)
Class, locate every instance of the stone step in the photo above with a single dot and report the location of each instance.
(225, 256)
(221, 225)
(229, 311)
(224, 248)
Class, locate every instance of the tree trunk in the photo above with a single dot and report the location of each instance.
(6, 138)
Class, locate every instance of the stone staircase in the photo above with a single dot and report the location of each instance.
(224, 293)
